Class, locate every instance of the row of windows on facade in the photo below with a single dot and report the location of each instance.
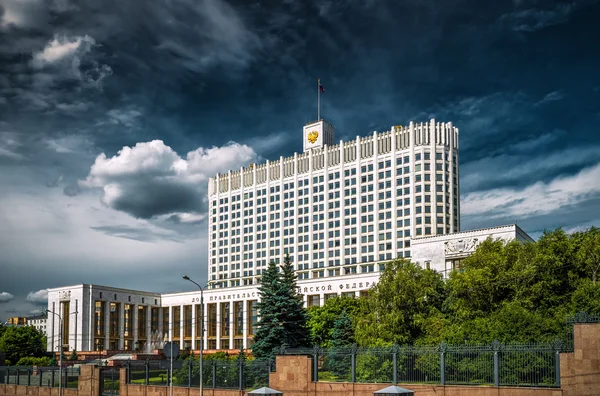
(225, 223)
(224, 234)
(351, 203)
(349, 172)
(350, 219)
(367, 185)
(261, 247)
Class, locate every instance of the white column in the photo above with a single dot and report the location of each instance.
(435, 132)
(280, 211)
(231, 328)
(218, 308)
(194, 325)
(394, 197)
(170, 330)
(295, 209)
(310, 212)
(411, 153)
(181, 325)
(326, 211)
(245, 323)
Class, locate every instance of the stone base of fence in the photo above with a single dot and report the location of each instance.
(579, 376)
(294, 378)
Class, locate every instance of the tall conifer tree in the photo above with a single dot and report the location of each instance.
(282, 315)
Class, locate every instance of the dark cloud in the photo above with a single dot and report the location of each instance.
(134, 233)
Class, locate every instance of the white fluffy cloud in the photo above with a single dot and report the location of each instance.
(6, 297)
(537, 199)
(40, 296)
(61, 48)
(151, 179)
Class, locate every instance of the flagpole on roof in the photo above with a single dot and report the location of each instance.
(318, 99)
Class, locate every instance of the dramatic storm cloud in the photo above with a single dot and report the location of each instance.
(113, 115)
(151, 179)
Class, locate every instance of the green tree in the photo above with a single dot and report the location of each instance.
(339, 359)
(397, 308)
(18, 342)
(294, 315)
(589, 253)
(343, 332)
(321, 319)
(283, 318)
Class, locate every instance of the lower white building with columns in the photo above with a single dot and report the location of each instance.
(98, 318)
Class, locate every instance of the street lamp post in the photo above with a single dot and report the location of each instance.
(201, 329)
(60, 341)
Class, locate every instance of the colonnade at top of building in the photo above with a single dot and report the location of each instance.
(397, 138)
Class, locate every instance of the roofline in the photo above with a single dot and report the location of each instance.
(83, 285)
(515, 226)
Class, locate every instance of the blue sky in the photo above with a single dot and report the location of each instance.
(114, 114)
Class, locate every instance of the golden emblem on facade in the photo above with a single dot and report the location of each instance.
(312, 136)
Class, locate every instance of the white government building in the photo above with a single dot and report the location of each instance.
(339, 210)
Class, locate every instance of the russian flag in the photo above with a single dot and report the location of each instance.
(321, 87)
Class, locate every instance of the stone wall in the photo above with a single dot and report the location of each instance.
(579, 372)
(294, 378)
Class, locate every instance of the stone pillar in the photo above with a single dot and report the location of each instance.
(121, 326)
(135, 324)
(149, 334)
(106, 324)
(89, 381)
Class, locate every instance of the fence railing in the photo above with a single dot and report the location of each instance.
(494, 364)
(216, 374)
(39, 376)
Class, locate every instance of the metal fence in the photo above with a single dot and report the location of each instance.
(40, 376)
(216, 374)
(493, 364)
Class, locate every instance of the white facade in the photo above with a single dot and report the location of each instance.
(85, 314)
(337, 210)
(39, 322)
(443, 253)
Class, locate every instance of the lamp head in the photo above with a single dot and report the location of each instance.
(186, 277)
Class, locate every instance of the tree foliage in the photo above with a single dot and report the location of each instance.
(321, 319)
(283, 319)
(399, 307)
(512, 292)
(22, 341)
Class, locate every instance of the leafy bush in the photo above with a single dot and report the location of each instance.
(44, 361)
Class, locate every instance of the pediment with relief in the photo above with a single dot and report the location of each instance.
(458, 246)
